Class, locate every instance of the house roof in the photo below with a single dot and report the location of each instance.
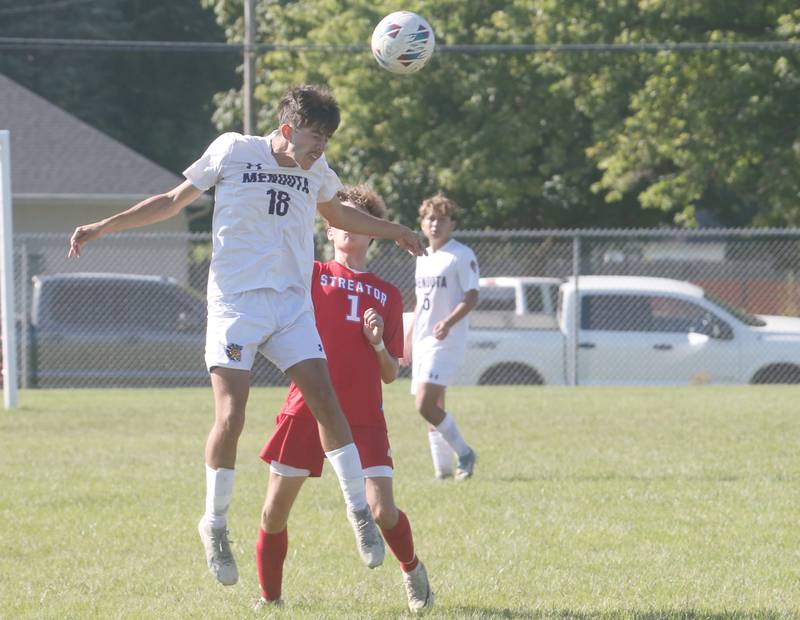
(56, 154)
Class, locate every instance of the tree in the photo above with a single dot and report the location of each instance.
(158, 103)
(553, 139)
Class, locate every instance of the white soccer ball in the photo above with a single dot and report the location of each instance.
(402, 42)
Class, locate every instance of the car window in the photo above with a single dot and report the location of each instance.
(81, 305)
(554, 290)
(649, 313)
(496, 298)
(103, 305)
(627, 313)
(681, 316)
(534, 298)
(158, 306)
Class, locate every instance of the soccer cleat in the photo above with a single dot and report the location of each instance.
(263, 603)
(218, 553)
(368, 539)
(418, 589)
(465, 465)
(443, 475)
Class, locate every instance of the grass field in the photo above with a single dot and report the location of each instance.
(587, 503)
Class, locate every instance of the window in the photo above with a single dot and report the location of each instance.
(103, 305)
(624, 313)
(534, 298)
(497, 298)
(650, 313)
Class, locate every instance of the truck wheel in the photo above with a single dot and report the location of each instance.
(511, 374)
(777, 373)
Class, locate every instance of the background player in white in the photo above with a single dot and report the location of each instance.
(436, 341)
(359, 318)
(268, 190)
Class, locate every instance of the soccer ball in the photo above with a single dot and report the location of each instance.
(402, 42)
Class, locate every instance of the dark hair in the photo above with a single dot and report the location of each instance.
(363, 197)
(309, 106)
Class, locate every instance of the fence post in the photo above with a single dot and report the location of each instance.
(24, 353)
(573, 335)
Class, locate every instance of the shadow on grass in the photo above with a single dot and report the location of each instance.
(479, 613)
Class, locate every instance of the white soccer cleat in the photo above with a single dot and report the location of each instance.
(465, 465)
(368, 538)
(418, 589)
(218, 553)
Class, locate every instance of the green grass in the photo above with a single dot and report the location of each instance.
(587, 503)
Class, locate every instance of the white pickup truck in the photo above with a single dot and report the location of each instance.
(637, 331)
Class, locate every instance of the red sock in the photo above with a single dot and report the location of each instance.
(270, 553)
(401, 542)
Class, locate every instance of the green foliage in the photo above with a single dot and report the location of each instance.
(589, 503)
(554, 139)
(158, 103)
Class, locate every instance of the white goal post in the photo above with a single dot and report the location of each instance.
(7, 307)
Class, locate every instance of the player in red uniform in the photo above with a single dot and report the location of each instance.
(359, 318)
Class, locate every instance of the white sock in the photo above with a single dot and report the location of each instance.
(219, 489)
(347, 465)
(442, 454)
(452, 435)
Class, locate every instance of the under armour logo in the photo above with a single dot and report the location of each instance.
(251, 166)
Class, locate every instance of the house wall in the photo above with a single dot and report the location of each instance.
(42, 230)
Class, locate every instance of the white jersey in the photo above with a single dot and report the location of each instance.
(442, 279)
(263, 224)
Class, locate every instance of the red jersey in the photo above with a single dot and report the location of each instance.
(341, 296)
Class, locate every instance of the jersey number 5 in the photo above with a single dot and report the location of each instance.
(278, 202)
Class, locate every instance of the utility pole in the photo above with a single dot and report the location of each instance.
(249, 66)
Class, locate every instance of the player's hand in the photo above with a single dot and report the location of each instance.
(411, 242)
(373, 326)
(440, 330)
(82, 234)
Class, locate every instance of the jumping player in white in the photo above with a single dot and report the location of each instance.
(436, 341)
(267, 192)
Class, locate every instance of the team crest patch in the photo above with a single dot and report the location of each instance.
(234, 352)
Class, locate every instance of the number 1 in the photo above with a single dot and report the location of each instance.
(353, 316)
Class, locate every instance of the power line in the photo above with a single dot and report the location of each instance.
(114, 45)
(21, 10)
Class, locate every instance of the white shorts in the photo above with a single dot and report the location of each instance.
(279, 325)
(437, 366)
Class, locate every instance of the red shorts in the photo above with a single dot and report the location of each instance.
(295, 442)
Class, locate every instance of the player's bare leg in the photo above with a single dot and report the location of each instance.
(429, 401)
(273, 535)
(231, 390)
(312, 378)
(397, 532)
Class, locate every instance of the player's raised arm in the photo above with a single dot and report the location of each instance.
(149, 211)
(356, 221)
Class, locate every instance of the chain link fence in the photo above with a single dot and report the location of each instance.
(655, 307)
